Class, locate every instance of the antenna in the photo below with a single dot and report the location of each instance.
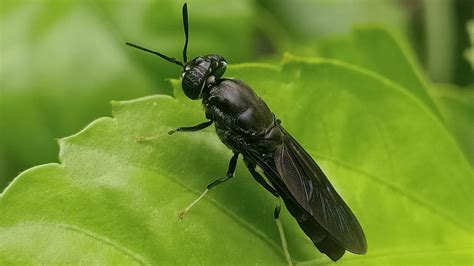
(186, 32)
(167, 58)
(185, 49)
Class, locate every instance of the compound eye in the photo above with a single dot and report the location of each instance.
(214, 64)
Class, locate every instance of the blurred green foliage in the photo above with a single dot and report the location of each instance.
(386, 108)
(469, 52)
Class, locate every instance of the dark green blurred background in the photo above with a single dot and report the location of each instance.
(61, 62)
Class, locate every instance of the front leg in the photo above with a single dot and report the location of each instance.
(284, 245)
(184, 129)
(192, 128)
(229, 175)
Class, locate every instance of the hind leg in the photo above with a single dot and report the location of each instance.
(276, 215)
(229, 175)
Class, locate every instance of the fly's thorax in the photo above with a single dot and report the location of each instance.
(200, 73)
(233, 104)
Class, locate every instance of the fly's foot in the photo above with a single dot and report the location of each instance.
(182, 213)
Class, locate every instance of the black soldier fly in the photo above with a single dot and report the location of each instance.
(246, 125)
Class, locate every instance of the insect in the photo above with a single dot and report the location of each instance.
(246, 125)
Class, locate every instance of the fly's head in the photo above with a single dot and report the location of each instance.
(200, 73)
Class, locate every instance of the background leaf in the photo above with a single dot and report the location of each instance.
(387, 54)
(457, 108)
(111, 191)
(383, 52)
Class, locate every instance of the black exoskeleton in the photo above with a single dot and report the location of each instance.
(246, 125)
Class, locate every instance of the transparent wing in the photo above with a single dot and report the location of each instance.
(311, 189)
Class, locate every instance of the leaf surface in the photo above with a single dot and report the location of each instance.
(382, 51)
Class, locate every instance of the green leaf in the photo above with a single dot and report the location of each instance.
(457, 107)
(386, 153)
(62, 62)
(383, 52)
(387, 54)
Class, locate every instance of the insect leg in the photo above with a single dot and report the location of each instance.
(192, 128)
(230, 174)
(276, 215)
(184, 129)
(260, 179)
